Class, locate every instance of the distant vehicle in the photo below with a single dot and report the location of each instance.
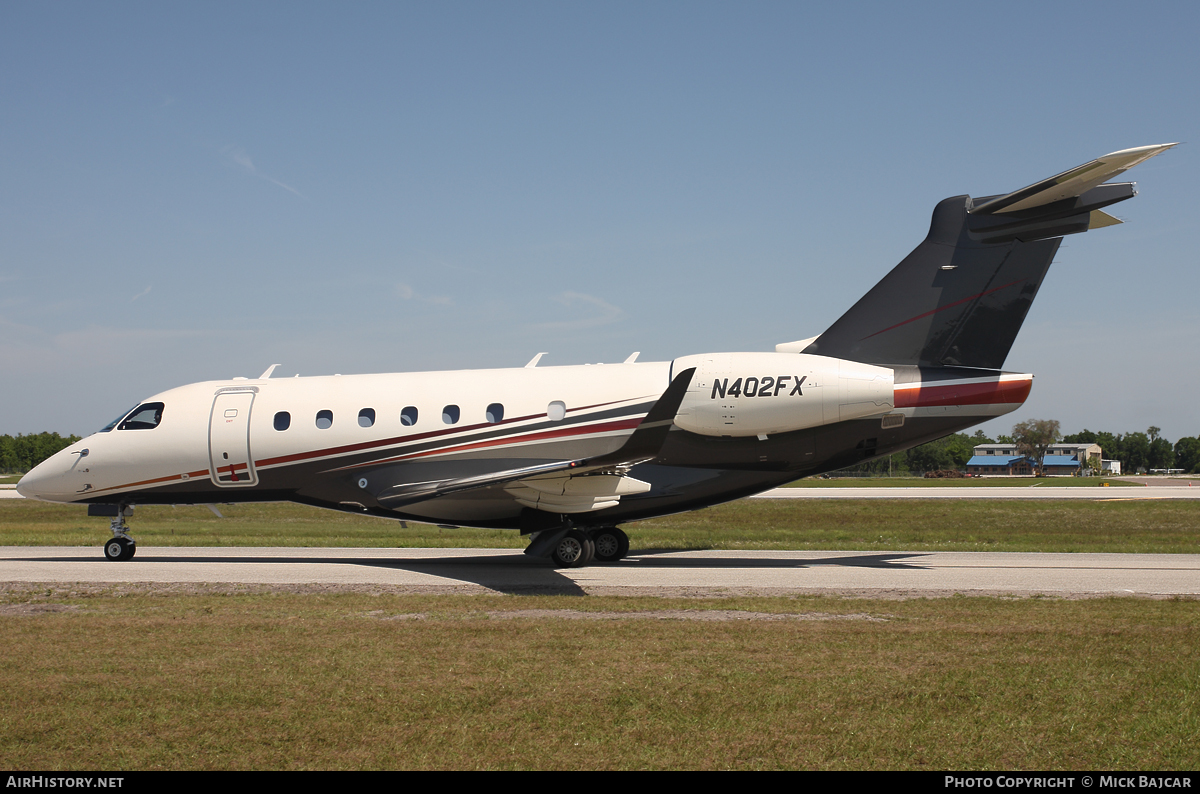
(566, 454)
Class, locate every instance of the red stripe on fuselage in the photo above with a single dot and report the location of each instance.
(991, 393)
(577, 430)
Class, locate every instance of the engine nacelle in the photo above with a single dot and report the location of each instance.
(749, 394)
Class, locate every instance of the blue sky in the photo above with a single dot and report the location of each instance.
(197, 191)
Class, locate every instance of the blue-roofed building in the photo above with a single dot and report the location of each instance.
(1061, 459)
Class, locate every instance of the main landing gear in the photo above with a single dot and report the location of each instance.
(611, 544)
(577, 548)
(121, 547)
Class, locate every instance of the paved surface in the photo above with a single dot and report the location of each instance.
(647, 573)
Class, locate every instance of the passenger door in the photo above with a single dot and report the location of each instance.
(230, 462)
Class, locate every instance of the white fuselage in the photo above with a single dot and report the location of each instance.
(356, 441)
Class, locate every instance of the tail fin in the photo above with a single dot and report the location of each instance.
(960, 297)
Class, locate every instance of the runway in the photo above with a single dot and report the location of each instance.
(665, 573)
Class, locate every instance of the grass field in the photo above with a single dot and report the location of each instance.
(235, 677)
(1165, 526)
(127, 679)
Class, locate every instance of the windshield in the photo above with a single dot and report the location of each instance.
(115, 422)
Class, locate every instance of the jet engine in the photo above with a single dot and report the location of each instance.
(749, 394)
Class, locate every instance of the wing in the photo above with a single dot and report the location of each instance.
(553, 478)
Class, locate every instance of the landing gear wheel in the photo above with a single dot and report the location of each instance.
(611, 544)
(120, 549)
(572, 550)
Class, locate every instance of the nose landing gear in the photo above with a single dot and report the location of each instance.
(121, 547)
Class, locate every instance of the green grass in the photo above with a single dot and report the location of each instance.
(1150, 526)
(126, 679)
(6, 479)
(29, 523)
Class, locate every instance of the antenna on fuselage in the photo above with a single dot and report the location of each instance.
(534, 361)
(267, 374)
(632, 358)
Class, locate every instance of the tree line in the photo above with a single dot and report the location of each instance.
(1147, 451)
(19, 454)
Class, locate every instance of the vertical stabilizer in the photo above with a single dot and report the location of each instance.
(960, 297)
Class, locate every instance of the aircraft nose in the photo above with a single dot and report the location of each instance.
(47, 481)
(33, 483)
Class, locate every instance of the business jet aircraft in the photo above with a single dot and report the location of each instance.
(566, 454)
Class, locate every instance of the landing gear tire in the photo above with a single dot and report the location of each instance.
(120, 549)
(611, 544)
(573, 550)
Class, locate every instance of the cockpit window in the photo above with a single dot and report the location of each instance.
(145, 417)
(114, 422)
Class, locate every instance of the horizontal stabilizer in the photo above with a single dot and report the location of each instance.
(642, 445)
(1069, 184)
(1099, 219)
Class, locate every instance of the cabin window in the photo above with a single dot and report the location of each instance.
(144, 417)
(283, 420)
(450, 414)
(366, 417)
(324, 419)
(408, 417)
(556, 410)
(495, 413)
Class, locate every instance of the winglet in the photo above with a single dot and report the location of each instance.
(647, 439)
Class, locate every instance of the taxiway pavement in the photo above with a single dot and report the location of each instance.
(648, 572)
